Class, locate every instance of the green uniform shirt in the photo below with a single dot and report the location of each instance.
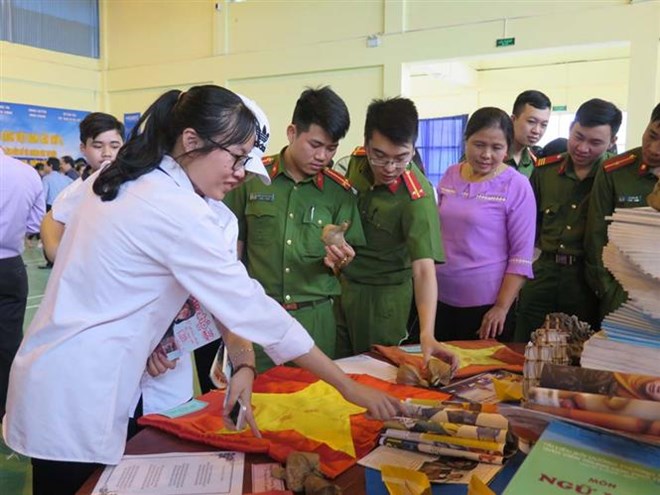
(562, 201)
(398, 228)
(281, 227)
(624, 182)
(527, 161)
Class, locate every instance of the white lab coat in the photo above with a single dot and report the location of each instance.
(124, 269)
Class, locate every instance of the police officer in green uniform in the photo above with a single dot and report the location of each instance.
(624, 182)
(280, 225)
(400, 221)
(530, 116)
(562, 186)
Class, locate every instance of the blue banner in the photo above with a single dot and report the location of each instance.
(32, 133)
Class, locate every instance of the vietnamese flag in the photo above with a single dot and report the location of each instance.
(295, 411)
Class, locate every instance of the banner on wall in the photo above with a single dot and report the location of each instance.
(33, 133)
(130, 121)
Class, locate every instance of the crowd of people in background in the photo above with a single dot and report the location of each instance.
(510, 233)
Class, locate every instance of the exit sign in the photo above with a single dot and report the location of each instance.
(505, 42)
(559, 108)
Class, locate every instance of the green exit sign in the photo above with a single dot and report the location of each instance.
(505, 42)
(559, 108)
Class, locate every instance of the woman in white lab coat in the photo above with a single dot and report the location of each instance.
(147, 239)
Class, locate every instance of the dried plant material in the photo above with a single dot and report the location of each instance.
(439, 372)
(333, 235)
(407, 374)
(317, 485)
(653, 199)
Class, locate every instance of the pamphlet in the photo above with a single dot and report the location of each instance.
(199, 473)
(480, 388)
(192, 328)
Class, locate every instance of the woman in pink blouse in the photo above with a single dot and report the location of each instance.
(487, 216)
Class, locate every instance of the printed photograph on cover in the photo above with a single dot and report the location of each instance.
(480, 388)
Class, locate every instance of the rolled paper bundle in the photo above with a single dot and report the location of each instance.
(333, 235)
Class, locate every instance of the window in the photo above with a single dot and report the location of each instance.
(68, 26)
(440, 144)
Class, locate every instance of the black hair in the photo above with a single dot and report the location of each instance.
(53, 163)
(554, 147)
(323, 107)
(96, 123)
(533, 98)
(395, 118)
(487, 118)
(655, 114)
(39, 166)
(595, 112)
(68, 159)
(212, 111)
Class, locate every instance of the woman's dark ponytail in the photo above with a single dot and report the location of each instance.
(215, 113)
(150, 140)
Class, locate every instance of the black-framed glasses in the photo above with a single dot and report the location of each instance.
(240, 161)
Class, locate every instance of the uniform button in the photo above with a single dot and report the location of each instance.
(320, 222)
(561, 246)
(288, 242)
(568, 227)
(573, 206)
(287, 270)
(290, 215)
(295, 188)
(547, 210)
(287, 297)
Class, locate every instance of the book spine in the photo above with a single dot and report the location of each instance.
(443, 441)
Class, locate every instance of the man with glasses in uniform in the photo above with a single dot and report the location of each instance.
(400, 221)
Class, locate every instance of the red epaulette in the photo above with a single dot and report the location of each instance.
(268, 160)
(549, 160)
(338, 178)
(616, 162)
(412, 184)
(532, 156)
(359, 151)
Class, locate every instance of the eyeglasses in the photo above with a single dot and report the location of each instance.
(240, 161)
(383, 162)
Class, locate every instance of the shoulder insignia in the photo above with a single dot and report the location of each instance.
(338, 178)
(549, 160)
(268, 160)
(412, 184)
(359, 151)
(616, 162)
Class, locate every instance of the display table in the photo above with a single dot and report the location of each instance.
(152, 441)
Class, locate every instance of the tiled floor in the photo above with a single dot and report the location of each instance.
(15, 470)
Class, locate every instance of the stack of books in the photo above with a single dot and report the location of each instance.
(629, 340)
(462, 430)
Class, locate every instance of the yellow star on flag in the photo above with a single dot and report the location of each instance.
(318, 412)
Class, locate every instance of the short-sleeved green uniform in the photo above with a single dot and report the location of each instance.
(559, 284)
(623, 182)
(401, 225)
(281, 227)
(527, 160)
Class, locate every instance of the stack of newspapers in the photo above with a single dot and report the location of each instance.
(629, 340)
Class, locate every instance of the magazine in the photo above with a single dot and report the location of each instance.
(480, 388)
(192, 328)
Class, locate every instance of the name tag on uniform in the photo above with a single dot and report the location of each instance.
(630, 199)
(255, 196)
